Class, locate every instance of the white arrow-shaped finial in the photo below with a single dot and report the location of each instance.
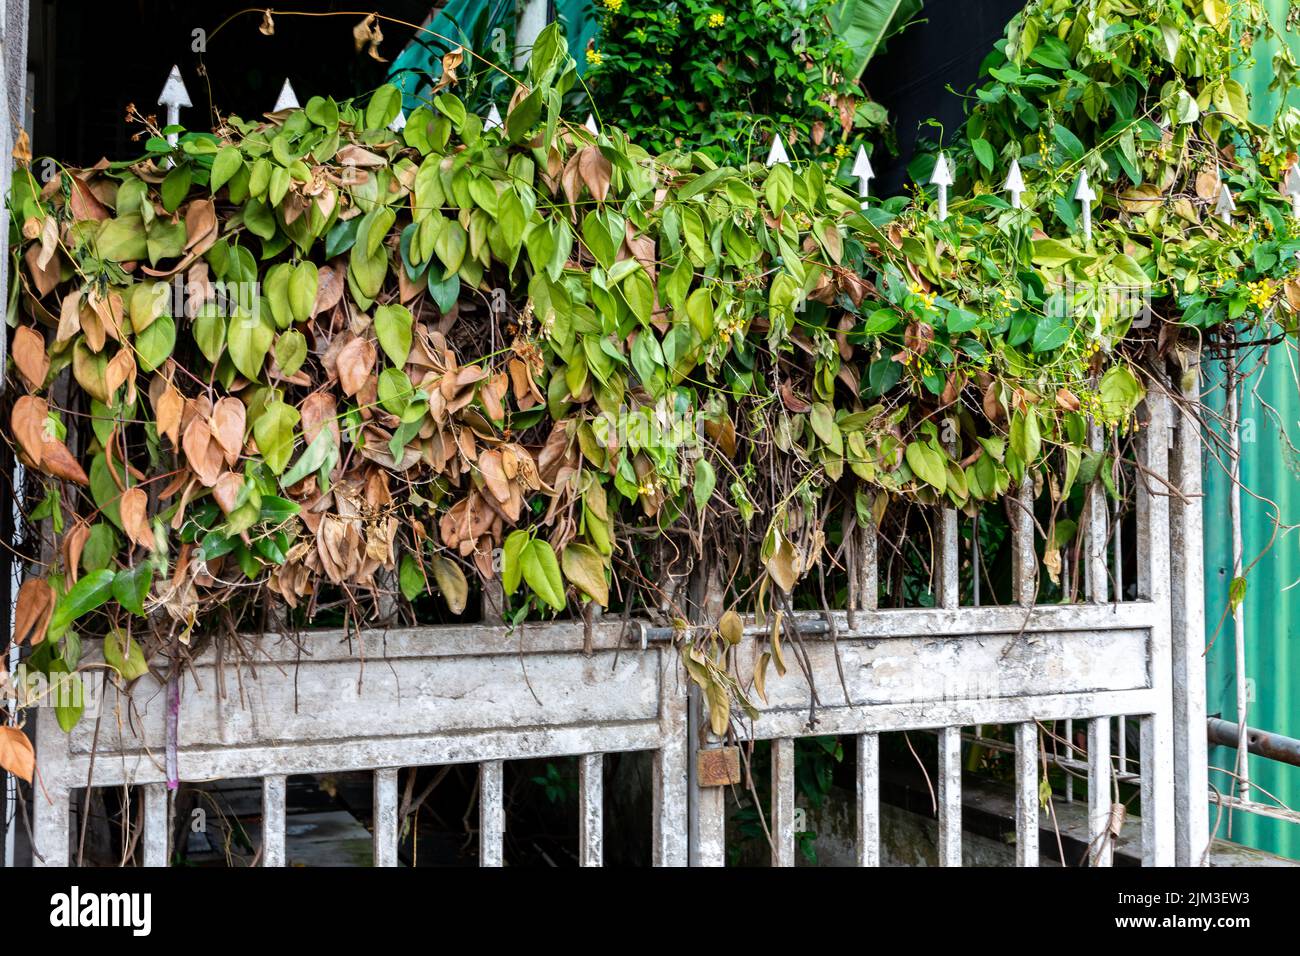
(288, 98)
(174, 96)
(777, 153)
(862, 169)
(399, 121)
(1291, 187)
(1224, 204)
(1085, 195)
(493, 120)
(942, 177)
(1015, 183)
(591, 125)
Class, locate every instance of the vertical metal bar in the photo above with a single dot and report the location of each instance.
(1027, 794)
(975, 560)
(671, 783)
(273, 810)
(869, 582)
(1187, 635)
(868, 807)
(491, 813)
(709, 812)
(493, 602)
(1117, 550)
(1024, 561)
(1156, 729)
(1239, 612)
(950, 796)
(1069, 755)
(591, 809)
(51, 803)
(949, 560)
(950, 538)
(1098, 579)
(157, 823)
(1099, 792)
(385, 817)
(1121, 741)
(708, 818)
(783, 839)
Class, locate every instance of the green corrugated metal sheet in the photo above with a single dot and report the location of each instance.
(1270, 405)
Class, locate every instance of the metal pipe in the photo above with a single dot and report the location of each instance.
(1239, 612)
(1262, 743)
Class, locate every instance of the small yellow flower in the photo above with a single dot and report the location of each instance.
(595, 57)
(613, 6)
(841, 151)
(716, 20)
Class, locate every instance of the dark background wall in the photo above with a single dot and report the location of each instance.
(912, 77)
(90, 59)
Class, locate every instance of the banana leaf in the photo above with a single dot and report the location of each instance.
(866, 25)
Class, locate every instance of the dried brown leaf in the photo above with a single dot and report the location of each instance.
(30, 356)
(32, 611)
(134, 506)
(16, 754)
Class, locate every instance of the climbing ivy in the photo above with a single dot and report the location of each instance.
(311, 358)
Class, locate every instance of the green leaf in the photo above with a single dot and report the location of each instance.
(383, 107)
(524, 116)
(1120, 393)
(323, 111)
(394, 390)
(303, 283)
(131, 587)
(778, 187)
(248, 340)
(68, 690)
(88, 593)
(273, 432)
(121, 239)
(1236, 593)
(100, 547)
(1025, 438)
(1053, 252)
(123, 654)
(228, 161)
(511, 566)
(393, 329)
(290, 351)
(320, 455)
(640, 295)
(983, 152)
(154, 345)
(210, 332)
(927, 464)
(706, 480)
(450, 245)
(176, 185)
(410, 577)
(865, 26)
(585, 569)
(1050, 332)
(542, 572)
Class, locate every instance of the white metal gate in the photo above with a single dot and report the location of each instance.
(384, 700)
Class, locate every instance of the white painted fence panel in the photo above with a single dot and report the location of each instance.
(484, 694)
